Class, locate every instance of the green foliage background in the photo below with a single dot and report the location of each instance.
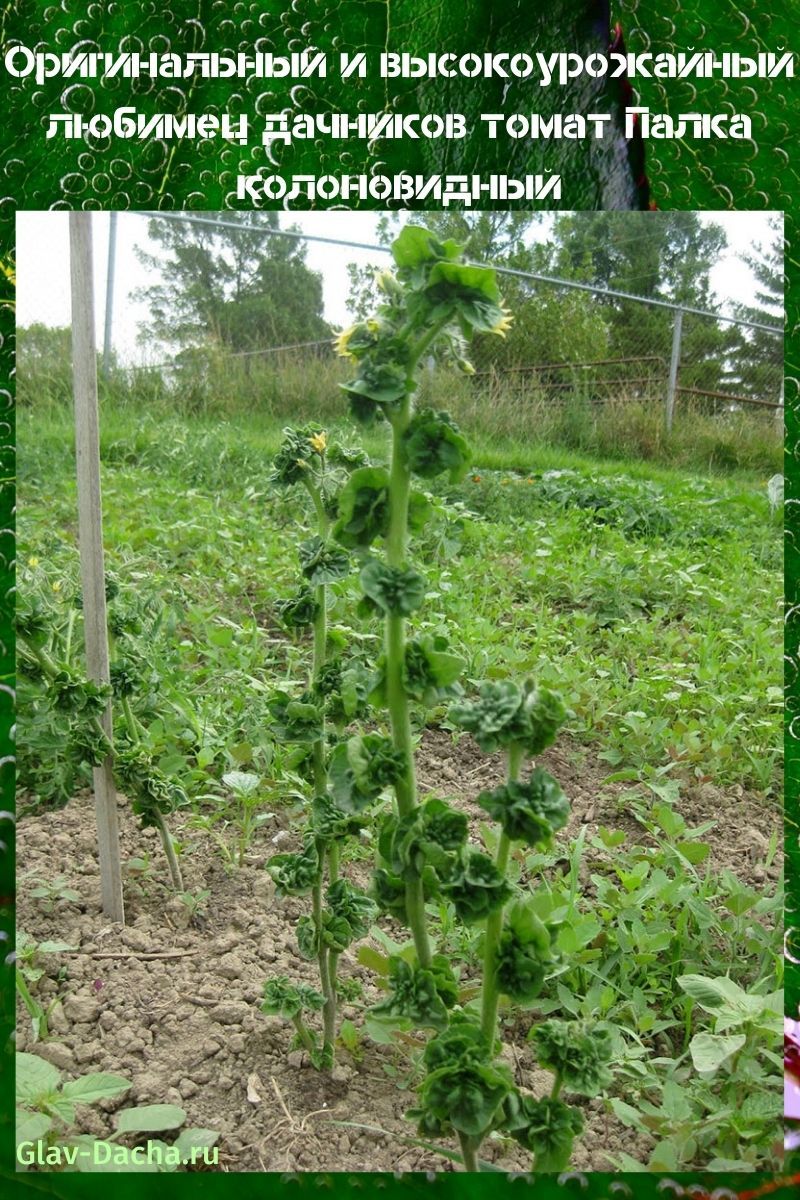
(36, 174)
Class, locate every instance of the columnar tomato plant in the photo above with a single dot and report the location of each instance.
(434, 302)
(336, 693)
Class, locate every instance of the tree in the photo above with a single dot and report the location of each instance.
(758, 362)
(234, 287)
(660, 256)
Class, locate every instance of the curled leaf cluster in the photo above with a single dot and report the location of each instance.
(322, 562)
(296, 455)
(289, 1000)
(295, 874)
(429, 836)
(434, 444)
(295, 719)
(476, 887)
(396, 591)
(546, 1127)
(419, 995)
(329, 823)
(430, 671)
(463, 1089)
(72, 692)
(524, 953)
(506, 715)
(361, 768)
(577, 1051)
(529, 812)
(153, 794)
(348, 915)
(298, 611)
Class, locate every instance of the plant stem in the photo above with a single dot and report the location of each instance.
(397, 699)
(490, 997)
(169, 850)
(557, 1085)
(131, 723)
(303, 1032)
(470, 1152)
(329, 1011)
(490, 994)
(37, 1013)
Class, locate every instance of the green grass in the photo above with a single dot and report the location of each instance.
(649, 597)
(505, 416)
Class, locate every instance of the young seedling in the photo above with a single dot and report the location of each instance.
(194, 903)
(28, 972)
(50, 891)
(46, 1134)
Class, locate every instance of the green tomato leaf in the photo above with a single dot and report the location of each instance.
(529, 812)
(397, 591)
(150, 1118)
(476, 887)
(322, 562)
(578, 1051)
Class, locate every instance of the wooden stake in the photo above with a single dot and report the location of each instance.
(90, 538)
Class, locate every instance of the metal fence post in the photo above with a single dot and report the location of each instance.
(779, 411)
(112, 256)
(674, 367)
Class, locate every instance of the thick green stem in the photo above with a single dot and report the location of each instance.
(490, 997)
(131, 723)
(333, 862)
(469, 1151)
(557, 1085)
(169, 851)
(397, 699)
(303, 1032)
(320, 649)
(329, 1011)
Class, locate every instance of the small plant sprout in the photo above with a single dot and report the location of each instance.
(194, 903)
(50, 891)
(28, 971)
(46, 1131)
(336, 692)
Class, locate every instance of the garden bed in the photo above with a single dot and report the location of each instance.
(172, 1002)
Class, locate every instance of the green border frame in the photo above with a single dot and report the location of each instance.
(683, 180)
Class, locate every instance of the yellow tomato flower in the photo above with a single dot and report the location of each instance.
(504, 324)
(342, 341)
(319, 442)
(33, 561)
(57, 586)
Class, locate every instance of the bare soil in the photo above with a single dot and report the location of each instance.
(172, 1003)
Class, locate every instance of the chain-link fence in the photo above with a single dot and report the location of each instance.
(572, 345)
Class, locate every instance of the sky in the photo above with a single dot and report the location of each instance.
(43, 267)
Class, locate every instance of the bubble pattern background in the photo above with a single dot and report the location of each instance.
(98, 174)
